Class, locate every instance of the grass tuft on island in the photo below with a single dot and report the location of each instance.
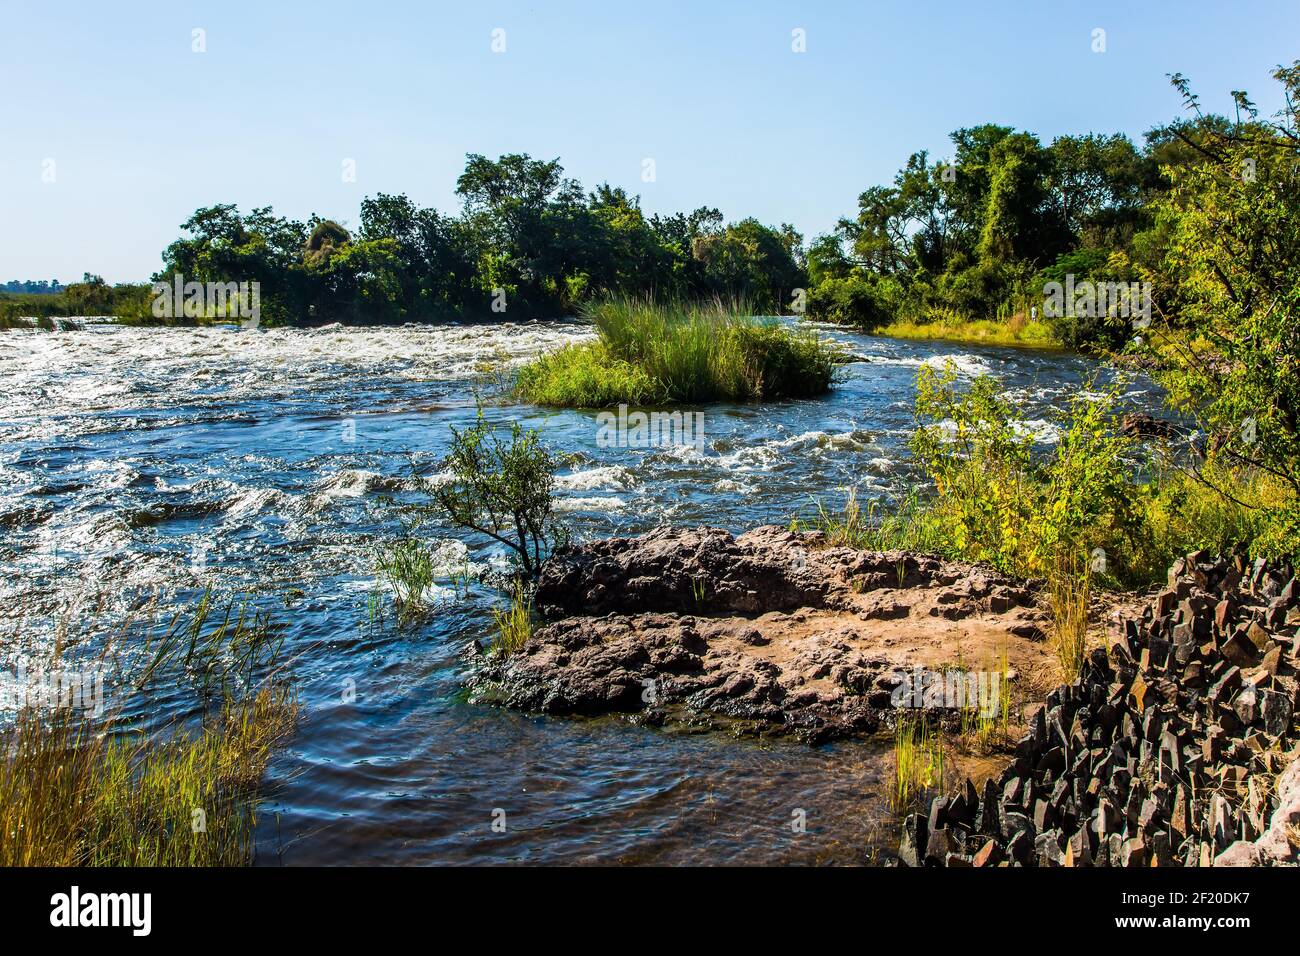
(652, 353)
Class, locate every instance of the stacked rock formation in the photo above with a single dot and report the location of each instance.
(1166, 751)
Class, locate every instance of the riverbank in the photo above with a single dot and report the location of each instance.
(1017, 332)
(1175, 746)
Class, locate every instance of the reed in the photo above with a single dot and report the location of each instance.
(986, 725)
(408, 568)
(515, 621)
(918, 760)
(73, 794)
(1070, 585)
(218, 652)
(910, 526)
(81, 787)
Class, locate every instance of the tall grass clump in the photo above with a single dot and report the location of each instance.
(218, 652)
(658, 353)
(588, 375)
(1071, 589)
(85, 785)
(907, 525)
(72, 794)
(985, 724)
(918, 759)
(407, 566)
(514, 622)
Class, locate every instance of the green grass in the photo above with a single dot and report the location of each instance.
(1071, 587)
(1185, 512)
(586, 376)
(72, 794)
(217, 652)
(918, 759)
(515, 622)
(983, 732)
(652, 353)
(1176, 513)
(1016, 331)
(407, 565)
(910, 526)
(83, 788)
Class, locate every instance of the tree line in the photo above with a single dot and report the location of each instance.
(529, 241)
(977, 235)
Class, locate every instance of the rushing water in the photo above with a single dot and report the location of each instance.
(160, 462)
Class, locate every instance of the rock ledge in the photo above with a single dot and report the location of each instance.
(770, 632)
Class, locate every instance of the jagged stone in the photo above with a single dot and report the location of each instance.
(942, 842)
(990, 854)
(1156, 756)
(916, 837)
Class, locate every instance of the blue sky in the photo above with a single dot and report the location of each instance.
(142, 130)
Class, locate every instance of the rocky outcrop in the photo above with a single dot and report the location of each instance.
(687, 571)
(1166, 750)
(773, 629)
(1144, 425)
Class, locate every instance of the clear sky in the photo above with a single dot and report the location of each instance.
(142, 130)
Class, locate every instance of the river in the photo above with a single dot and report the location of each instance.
(159, 462)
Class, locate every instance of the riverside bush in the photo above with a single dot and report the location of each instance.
(999, 502)
(1094, 505)
(499, 482)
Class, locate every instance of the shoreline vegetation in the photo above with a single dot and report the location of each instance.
(960, 247)
(1100, 506)
(83, 785)
(1016, 332)
(657, 354)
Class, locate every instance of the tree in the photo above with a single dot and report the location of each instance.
(1230, 354)
(434, 264)
(1012, 225)
(524, 217)
(750, 262)
(1095, 189)
(223, 246)
(500, 482)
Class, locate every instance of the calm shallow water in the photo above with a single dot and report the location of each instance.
(158, 462)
